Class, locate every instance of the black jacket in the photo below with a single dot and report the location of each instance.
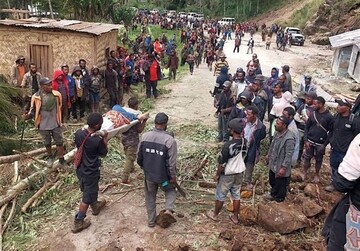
(318, 126)
(157, 156)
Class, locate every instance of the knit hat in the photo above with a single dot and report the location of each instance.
(45, 81)
(237, 125)
(161, 118)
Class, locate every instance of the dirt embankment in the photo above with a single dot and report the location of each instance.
(332, 18)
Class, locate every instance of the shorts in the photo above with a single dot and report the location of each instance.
(228, 183)
(94, 97)
(55, 133)
(89, 186)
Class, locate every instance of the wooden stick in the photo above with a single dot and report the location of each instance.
(106, 187)
(36, 195)
(42, 163)
(253, 195)
(2, 211)
(200, 190)
(118, 199)
(15, 157)
(3, 208)
(202, 165)
(10, 218)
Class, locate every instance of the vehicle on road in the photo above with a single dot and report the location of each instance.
(191, 15)
(295, 35)
(171, 13)
(199, 17)
(182, 15)
(227, 21)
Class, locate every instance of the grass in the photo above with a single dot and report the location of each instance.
(56, 205)
(300, 17)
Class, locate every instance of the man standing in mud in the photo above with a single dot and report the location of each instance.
(157, 157)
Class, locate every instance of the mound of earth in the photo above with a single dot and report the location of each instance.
(332, 18)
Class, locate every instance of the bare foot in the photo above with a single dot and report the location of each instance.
(233, 219)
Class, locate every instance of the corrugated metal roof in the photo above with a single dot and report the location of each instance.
(345, 39)
(71, 25)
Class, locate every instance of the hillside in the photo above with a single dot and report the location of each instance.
(333, 17)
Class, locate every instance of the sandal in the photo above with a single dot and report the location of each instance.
(232, 220)
(210, 215)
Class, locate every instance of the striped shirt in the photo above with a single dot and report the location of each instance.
(219, 64)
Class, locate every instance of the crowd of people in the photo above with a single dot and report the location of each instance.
(299, 128)
(249, 108)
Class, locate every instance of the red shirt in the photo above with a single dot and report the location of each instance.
(153, 71)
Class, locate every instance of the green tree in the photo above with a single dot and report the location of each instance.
(122, 15)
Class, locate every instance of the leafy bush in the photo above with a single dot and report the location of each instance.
(122, 15)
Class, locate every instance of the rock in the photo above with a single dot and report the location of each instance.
(311, 190)
(248, 215)
(296, 175)
(226, 235)
(355, 88)
(237, 246)
(184, 247)
(310, 208)
(207, 184)
(246, 194)
(164, 220)
(320, 39)
(282, 217)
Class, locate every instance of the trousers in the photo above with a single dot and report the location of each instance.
(151, 189)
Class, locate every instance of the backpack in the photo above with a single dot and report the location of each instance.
(356, 107)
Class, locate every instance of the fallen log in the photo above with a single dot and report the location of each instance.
(15, 157)
(24, 183)
(36, 196)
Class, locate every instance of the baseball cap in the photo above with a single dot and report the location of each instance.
(307, 77)
(301, 95)
(236, 124)
(161, 118)
(343, 102)
(310, 95)
(45, 81)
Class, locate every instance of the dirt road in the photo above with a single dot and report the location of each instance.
(123, 222)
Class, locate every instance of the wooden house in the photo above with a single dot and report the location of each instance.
(50, 43)
(346, 60)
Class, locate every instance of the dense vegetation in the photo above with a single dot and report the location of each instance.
(103, 9)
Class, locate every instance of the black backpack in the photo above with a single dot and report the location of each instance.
(356, 107)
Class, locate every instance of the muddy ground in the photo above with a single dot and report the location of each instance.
(123, 226)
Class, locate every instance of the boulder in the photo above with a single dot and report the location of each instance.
(296, 175)
(311, 190)
(308, 207)
(320, 39)
(248, 215)
(246, 194)
(283, 218)
(164, 219)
